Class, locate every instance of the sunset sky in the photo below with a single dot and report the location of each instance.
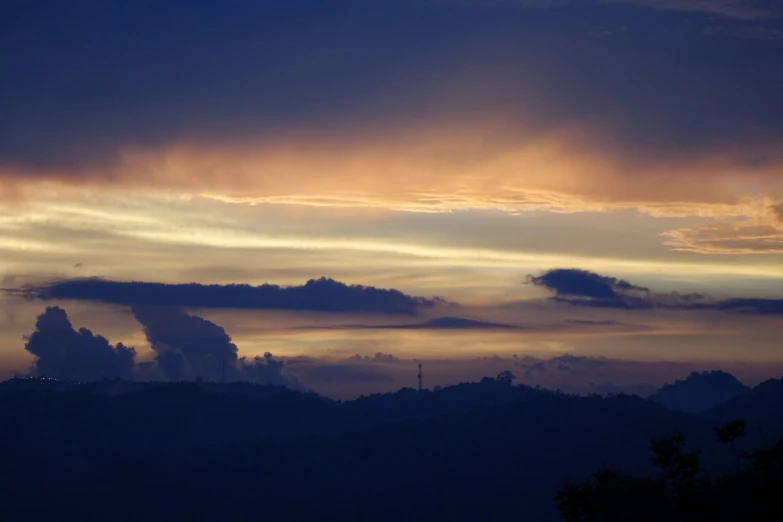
(588, 193)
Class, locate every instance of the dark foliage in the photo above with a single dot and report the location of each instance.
(683, 490)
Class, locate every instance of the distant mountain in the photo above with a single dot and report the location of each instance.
(699, 392)
(762, 408)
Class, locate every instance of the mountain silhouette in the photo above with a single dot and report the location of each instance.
(699, 392)
(762, 408)
(473, 451)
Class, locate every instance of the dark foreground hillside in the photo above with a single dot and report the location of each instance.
(482, 451)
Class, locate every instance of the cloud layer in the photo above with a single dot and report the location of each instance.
(187, 347)
(736, 9)
(442, 323)
(584, 288)
(323, 295)
(438, 111)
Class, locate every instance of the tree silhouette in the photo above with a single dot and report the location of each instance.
(506, 377)
(683, 490)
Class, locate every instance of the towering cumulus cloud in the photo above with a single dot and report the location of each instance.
(185, 346)
(323, 295)
(188, 347)
(64, 353)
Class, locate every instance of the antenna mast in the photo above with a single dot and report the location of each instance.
(420, 377)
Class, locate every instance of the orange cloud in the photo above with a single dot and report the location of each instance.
(489, 165)
(761, 235)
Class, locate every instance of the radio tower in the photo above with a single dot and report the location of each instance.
(420, 377)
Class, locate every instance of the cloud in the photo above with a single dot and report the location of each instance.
(461, 125)
(345, 374)
(749, 32)
(737, 9)
(745, 305)
(447, 167)
(188, 347)
(746, 10)
(603, 375)
(266, 370)
(582, 283)
(323, 295)
(586, 325)
(761, 235)
(747, 237)
(733, 9)
(534, 368)
(378, 357)
(567, 361)
(453, 323)
(581, 286)
(363, 374)
(439, 323)
(65, 353)
(777, 211)
(588, 289)
(607, 322)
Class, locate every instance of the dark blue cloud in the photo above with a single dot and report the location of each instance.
(82, 79)
(747, 305)
(377, 357)
(584, 288)
(608, 322)
(583, 283)
(748, 10)
(64, 353)
(438, 323)
(450, 323)
(325, 295)
(567, 361)
(186, 347)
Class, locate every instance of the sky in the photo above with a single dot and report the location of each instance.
(588, 193)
